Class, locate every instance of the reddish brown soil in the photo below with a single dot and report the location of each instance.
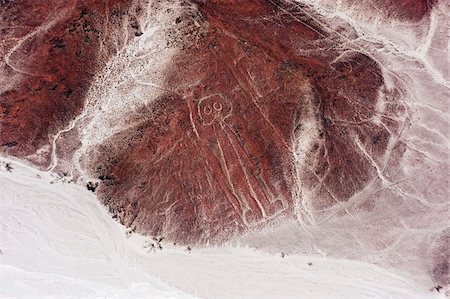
(215, 157)
(53, 68)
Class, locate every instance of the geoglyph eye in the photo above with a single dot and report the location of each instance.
(217, 106)
(207, 110)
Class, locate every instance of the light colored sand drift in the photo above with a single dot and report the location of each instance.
(58, 241)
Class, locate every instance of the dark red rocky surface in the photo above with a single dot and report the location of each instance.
(216, 156)
(50, 52)
(219, 154)
(269, 113)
